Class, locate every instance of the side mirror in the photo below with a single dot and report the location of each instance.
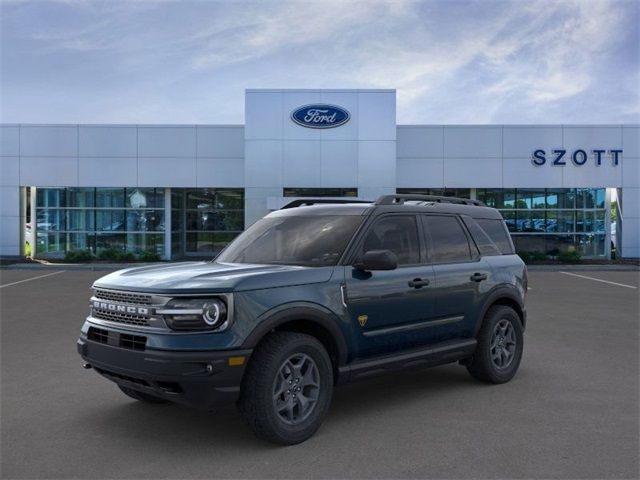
(377, 260)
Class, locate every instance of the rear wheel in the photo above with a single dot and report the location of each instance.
(287, 388)
(141, 396)
(500, 344)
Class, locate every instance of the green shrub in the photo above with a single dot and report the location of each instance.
(528, 257)
(572, 256)
(126, 257)
(27, 249)
(111, 253)
(148, 256)
(78, 256)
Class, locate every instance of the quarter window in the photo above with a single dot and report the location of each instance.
(397, 233)
(448, 240)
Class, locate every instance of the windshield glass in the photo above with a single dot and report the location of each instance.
(314, 241)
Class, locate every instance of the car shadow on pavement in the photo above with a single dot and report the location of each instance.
(182, 427)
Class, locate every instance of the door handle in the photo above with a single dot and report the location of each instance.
(418, 283)
(478, 277)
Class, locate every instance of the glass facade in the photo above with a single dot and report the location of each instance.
(209, 218)
(552, 220)
(319, 192)
(130, 219)
(441, 192)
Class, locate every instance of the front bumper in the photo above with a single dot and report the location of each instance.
(202, 379)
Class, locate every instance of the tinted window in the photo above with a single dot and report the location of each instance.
(396, 233)
(448, 242)
(313, 241)
(482, 240)
(496, 231)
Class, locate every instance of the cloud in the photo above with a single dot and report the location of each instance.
(451, 62)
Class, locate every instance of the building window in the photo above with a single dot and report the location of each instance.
(320, 192)
(128, 219)
(552, 220)
(440, 192)
(213, 217)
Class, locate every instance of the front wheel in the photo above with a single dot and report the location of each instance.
(500, 344)
(287, 388)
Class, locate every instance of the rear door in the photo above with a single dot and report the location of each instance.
(390, 308)
(461, 276)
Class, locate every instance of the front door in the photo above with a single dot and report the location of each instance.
(390, 308)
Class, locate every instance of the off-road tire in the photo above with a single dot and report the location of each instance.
(256, 402)
(141, 396)
(482, 366)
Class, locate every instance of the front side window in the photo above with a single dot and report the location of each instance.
(313, 241)
(448, 241)
(397, 233)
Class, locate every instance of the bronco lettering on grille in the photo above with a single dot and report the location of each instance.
(114, 307)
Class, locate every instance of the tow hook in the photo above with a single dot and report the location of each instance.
(86, 366)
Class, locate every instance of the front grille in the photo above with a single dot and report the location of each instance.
(98, 335)
(133, 342)
(127, 318)
(123, 297)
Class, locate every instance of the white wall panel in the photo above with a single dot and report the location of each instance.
(377, 164)
(161, 141)
(256, 199)
(263, 115)
(10, 235)
(472, 142)
(301, 163)
(263, 163)
(377, 115)
(9, 171)
(220, 172)
(630, 172)
(631, 141)
(420, 172)
(220, 142)
(9, 140)
(591, 175)
(9, 201)
(339, 164)
(107, 141)
(420, 141)
(520, 172)
(522, 141)
(50, 141)
(49, 171)
(588, 138)
(166, 172)
(107, 172)
(464, 172)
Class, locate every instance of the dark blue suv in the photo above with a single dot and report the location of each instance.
(318, 293)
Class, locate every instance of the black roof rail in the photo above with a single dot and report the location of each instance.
(401, 198)
(314, 201)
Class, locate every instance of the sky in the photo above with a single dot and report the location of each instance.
(451, 62)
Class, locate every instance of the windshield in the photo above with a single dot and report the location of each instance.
(314, 241)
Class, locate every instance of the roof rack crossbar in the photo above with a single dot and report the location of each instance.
(314, 201)
(401, 198)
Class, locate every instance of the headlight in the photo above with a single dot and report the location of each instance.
(195, 314)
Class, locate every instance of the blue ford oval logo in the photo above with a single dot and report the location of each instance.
(320, 116)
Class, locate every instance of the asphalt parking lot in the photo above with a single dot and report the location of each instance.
(571, 412)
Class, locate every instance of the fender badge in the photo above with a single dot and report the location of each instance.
(362, 320)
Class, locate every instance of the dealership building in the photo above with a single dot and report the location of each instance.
(185, 191)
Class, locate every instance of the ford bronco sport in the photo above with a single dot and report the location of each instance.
(318, 293)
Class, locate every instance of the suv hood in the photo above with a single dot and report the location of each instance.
(210, 277)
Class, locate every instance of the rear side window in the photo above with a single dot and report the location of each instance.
(497, 233)
(484, 243)
(447, 239)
